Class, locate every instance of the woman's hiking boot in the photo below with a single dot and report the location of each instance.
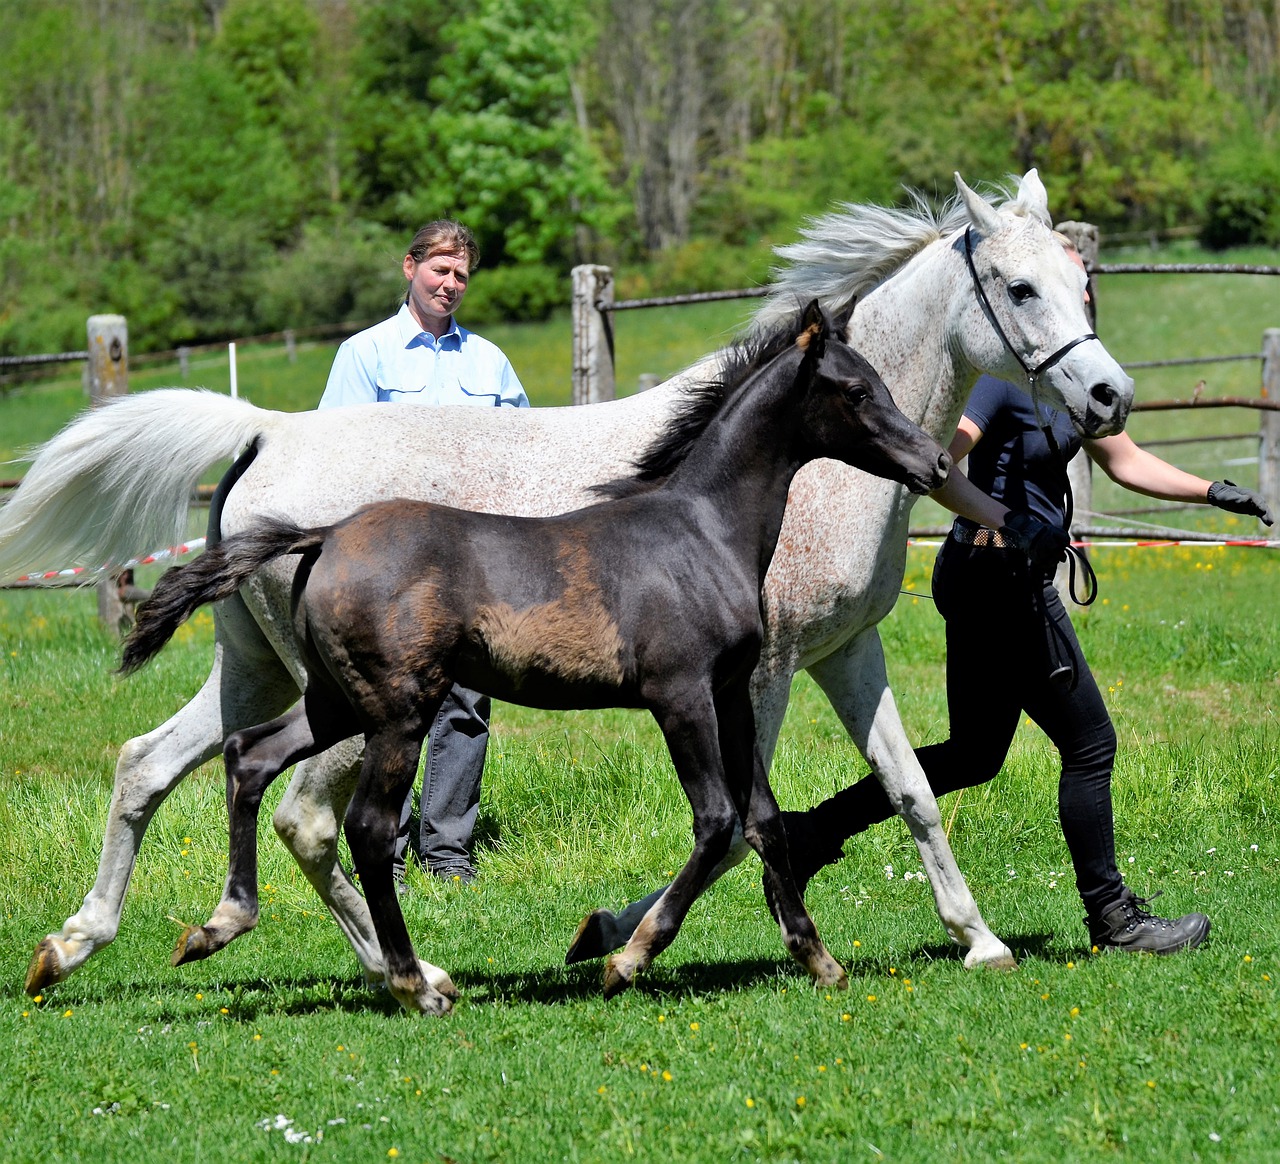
(1128, 925)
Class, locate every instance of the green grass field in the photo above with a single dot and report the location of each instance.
(723, 1050)
(275, 1049)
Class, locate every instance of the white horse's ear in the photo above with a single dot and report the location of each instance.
(981, 213)
(1033, 196)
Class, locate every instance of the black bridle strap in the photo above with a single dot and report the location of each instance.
(1074, 554)
(1032, 374)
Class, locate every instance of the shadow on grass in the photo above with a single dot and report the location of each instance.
(250, 999)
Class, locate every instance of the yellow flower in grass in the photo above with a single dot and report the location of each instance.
(750, 1102)
(666, 1077)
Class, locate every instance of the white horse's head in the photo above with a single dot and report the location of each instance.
(1026, 320)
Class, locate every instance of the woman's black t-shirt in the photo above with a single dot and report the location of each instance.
(1013, 461)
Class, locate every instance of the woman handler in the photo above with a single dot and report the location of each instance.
(1011, 649)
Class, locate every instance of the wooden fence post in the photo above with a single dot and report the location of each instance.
(592, 334)
(1269, 424)
(108, 376)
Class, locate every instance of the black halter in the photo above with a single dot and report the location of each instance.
(1032, 374)
(1073, 554)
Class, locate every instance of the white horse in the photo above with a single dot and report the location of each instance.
(117, 481)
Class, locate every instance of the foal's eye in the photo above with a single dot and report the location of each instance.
(858, 393)
(1021, 292)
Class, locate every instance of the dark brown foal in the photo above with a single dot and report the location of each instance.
(648, 600)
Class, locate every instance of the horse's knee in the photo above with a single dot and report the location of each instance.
(139, 785)
(308, 832)
(714, 830)
(371, 832)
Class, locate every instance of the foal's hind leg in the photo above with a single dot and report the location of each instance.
(255, 756)
(762, 828)
(246, 681)
(691, 737)
(390, 764)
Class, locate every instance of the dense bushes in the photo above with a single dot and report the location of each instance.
(1243, 202)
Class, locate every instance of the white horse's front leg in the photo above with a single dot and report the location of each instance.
(855, 681)
(308, 820)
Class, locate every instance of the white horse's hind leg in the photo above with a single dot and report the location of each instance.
(308, 820)
(243, 684)
(149, 768)
(855, 681)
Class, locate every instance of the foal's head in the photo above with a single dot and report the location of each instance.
(849, 415)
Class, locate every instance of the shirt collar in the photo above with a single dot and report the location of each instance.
(411, 333)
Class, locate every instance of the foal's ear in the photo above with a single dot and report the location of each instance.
(812, 339)
(840, 322)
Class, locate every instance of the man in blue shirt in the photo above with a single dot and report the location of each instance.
(421, 356)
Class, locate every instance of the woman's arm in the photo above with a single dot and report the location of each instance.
(959, 494)
(1142, 472)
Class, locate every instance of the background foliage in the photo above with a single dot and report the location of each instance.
(220, 168)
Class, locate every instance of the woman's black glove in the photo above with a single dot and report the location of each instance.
(1229, 496)
(1044, 544)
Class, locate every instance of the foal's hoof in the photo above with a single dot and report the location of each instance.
(439, 980)
(591, 940)
(45, 968)
(616, 980)
(831, 976)
(193, 944)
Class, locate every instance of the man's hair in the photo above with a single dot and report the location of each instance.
(444, 237)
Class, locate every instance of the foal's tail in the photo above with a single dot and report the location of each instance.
(116, 482)
(218, 573)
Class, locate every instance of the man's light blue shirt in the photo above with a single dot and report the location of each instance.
(397, 361)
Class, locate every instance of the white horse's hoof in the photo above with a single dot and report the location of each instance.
(46, 967)
(996, 959)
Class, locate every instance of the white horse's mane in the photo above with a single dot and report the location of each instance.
(845, 253)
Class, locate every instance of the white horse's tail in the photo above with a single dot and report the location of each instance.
(116, 483)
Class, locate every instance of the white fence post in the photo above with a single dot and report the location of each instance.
(108, 376)
(592, 335)
(1269, 424)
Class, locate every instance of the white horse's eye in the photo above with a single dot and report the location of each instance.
(1021, 292)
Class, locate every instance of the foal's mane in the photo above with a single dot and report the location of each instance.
(702, 401)
(842, 255)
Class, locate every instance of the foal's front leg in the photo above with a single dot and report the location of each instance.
(763, 831)
(690, 732)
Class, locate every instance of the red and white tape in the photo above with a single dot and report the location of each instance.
(75, 571)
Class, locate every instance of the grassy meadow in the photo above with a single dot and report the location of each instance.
(276, 1050)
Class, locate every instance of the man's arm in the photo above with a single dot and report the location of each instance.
(351, 379)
